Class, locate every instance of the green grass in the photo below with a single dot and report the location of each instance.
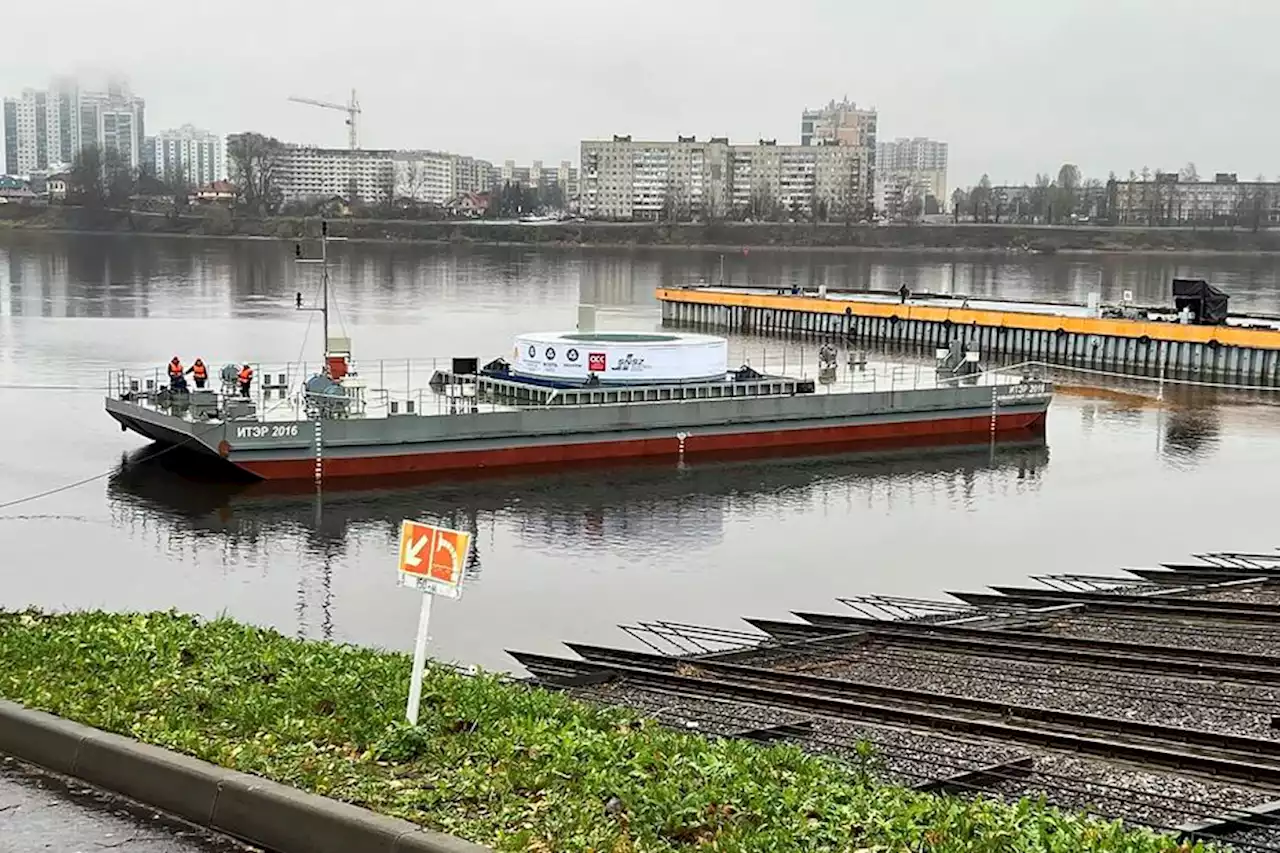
(501, 764)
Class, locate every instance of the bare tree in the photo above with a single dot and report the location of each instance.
(410, 180)
(255, 162)
(1068, 191)
(1041, 197)
(1188, 173)
(980, 198)
(86, 184)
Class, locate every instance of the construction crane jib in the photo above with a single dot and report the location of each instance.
(351, 108)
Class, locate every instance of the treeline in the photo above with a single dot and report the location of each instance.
(1063, 200)
(1145, 198)
(100, 179)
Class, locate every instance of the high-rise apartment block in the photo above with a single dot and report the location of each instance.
(305, 173)
(916, 165)
(434, 177)
(539, 176)
(195, 156)
(841, 123)
(45, 129)
(688, 179)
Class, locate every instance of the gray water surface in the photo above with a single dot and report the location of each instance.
(1121, 479)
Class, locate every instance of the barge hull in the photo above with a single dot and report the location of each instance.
(375, 462)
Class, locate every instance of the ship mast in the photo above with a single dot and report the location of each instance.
(323, 261)
(324, 280)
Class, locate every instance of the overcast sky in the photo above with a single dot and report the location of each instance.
(1015, 86)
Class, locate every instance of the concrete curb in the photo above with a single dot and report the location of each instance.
(263, 813)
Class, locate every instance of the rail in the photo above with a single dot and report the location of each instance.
(1211, 754)
(832, 632)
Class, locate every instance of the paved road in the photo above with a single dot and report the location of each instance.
(42, 812)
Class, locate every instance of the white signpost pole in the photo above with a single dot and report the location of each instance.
(419, 660)
(432, 560)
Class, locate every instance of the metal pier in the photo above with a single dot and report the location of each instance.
(1234, 354)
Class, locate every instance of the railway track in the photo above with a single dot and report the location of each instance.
(1132, 604)
(1189, 751)
(1182, 599)
(823, 633)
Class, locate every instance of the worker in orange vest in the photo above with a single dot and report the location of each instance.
(175, 373)
(199, 373)
(246, 379)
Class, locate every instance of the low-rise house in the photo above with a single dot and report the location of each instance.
(469, 204)
(219, 192)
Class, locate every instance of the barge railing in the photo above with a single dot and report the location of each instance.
(401, 387)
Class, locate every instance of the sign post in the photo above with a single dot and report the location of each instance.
(431, 560)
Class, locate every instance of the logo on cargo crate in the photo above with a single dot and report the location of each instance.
(596, 361)
(629, 362)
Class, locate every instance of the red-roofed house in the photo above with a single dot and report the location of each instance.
(468, 204)
(223, 192)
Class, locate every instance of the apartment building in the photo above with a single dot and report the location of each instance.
(434, 177)
(537, 175)
(39, 129)
(918, 164)
(308, 174)
(114, 120)
(625, 179)
(842, 123)
(45, 129)
(1166, 199)
(197, 156)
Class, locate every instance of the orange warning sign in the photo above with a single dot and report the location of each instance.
(432, 559)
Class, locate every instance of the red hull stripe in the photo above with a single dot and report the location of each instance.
(847, 436)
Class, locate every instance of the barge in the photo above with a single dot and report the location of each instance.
(1195, 338)
(562, 398)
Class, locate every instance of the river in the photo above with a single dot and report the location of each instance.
(1122, 479)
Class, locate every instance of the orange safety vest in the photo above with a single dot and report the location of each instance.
(246, 375)
(175, 368)
(198, 370)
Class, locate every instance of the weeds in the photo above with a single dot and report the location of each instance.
(502, 764)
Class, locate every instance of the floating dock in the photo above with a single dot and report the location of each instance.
(1245, 350)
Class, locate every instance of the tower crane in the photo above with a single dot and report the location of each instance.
(351, 108)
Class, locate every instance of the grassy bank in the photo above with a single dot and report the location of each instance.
(501, 764)
(725, 236)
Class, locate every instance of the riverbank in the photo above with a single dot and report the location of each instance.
(495, 762)
(721, 236)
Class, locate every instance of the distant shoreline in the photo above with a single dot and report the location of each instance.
(721, 237)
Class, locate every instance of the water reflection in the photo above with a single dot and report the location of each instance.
(1191, 434)
(108, 276)
(658, 513)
